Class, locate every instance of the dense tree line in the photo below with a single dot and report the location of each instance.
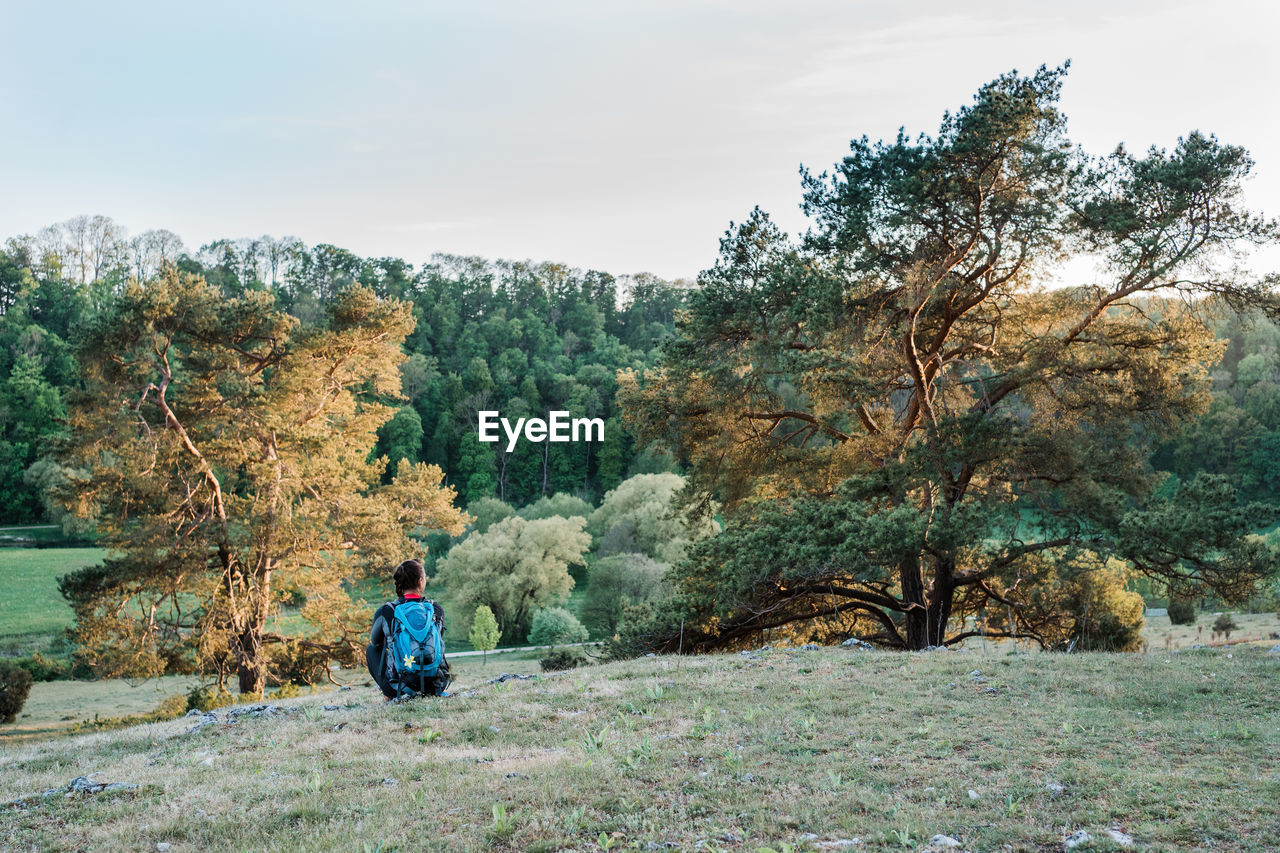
(521, 338)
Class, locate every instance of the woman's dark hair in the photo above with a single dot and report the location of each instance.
(409, 576)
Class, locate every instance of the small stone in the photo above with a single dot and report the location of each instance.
(162, 847)
(511, 676)
(810, 647)
(1121, 838)
(390, 783)
(1275, 650)
(1075, 839)
(975, 673)
(974, 795)
(208, 762)
(808, 836)
(855, 643)
(837, 844)
(1055, 789)
(943, 841)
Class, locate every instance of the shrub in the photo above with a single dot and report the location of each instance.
(561, 659)
(1080, 601)
(555, 625)
(288, 690)
(209, 697)
(43, 668)
(1182, 611)
(170, 708)
(1224, 624)
(15, 684)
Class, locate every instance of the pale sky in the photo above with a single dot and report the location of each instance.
(605, 134)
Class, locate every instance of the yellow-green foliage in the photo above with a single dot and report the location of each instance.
(516, 567)
(1077, 601)
(484, 634)
(224, 452)
(638, 517)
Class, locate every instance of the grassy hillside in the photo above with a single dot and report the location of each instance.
(738, 752)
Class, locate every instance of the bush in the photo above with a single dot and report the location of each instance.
(555, 625)
(43, 668)
(15, 684)
(288, 690)
(1182, 611)
(208, 698)
(1079, 601)
(1224, 624)
(561, 659)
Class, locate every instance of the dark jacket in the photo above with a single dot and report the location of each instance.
(380, 637)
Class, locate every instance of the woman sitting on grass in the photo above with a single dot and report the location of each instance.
(411, 583)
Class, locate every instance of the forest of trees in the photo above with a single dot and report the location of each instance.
(887, 428)
(521, 338)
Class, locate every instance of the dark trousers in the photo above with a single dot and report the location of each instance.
(373, 657)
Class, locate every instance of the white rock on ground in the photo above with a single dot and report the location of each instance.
(1121, 838)
(974, 795)
(943, 842)
(1075, 839)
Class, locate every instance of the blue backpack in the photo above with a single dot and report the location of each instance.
(416, 646)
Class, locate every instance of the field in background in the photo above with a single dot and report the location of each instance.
(732, 752)
(32, 611)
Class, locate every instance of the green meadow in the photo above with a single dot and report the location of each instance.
(31, 609)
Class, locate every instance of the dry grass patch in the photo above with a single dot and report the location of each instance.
(719, 752)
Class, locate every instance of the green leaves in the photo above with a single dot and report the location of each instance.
(516, 567)
(904, 422)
